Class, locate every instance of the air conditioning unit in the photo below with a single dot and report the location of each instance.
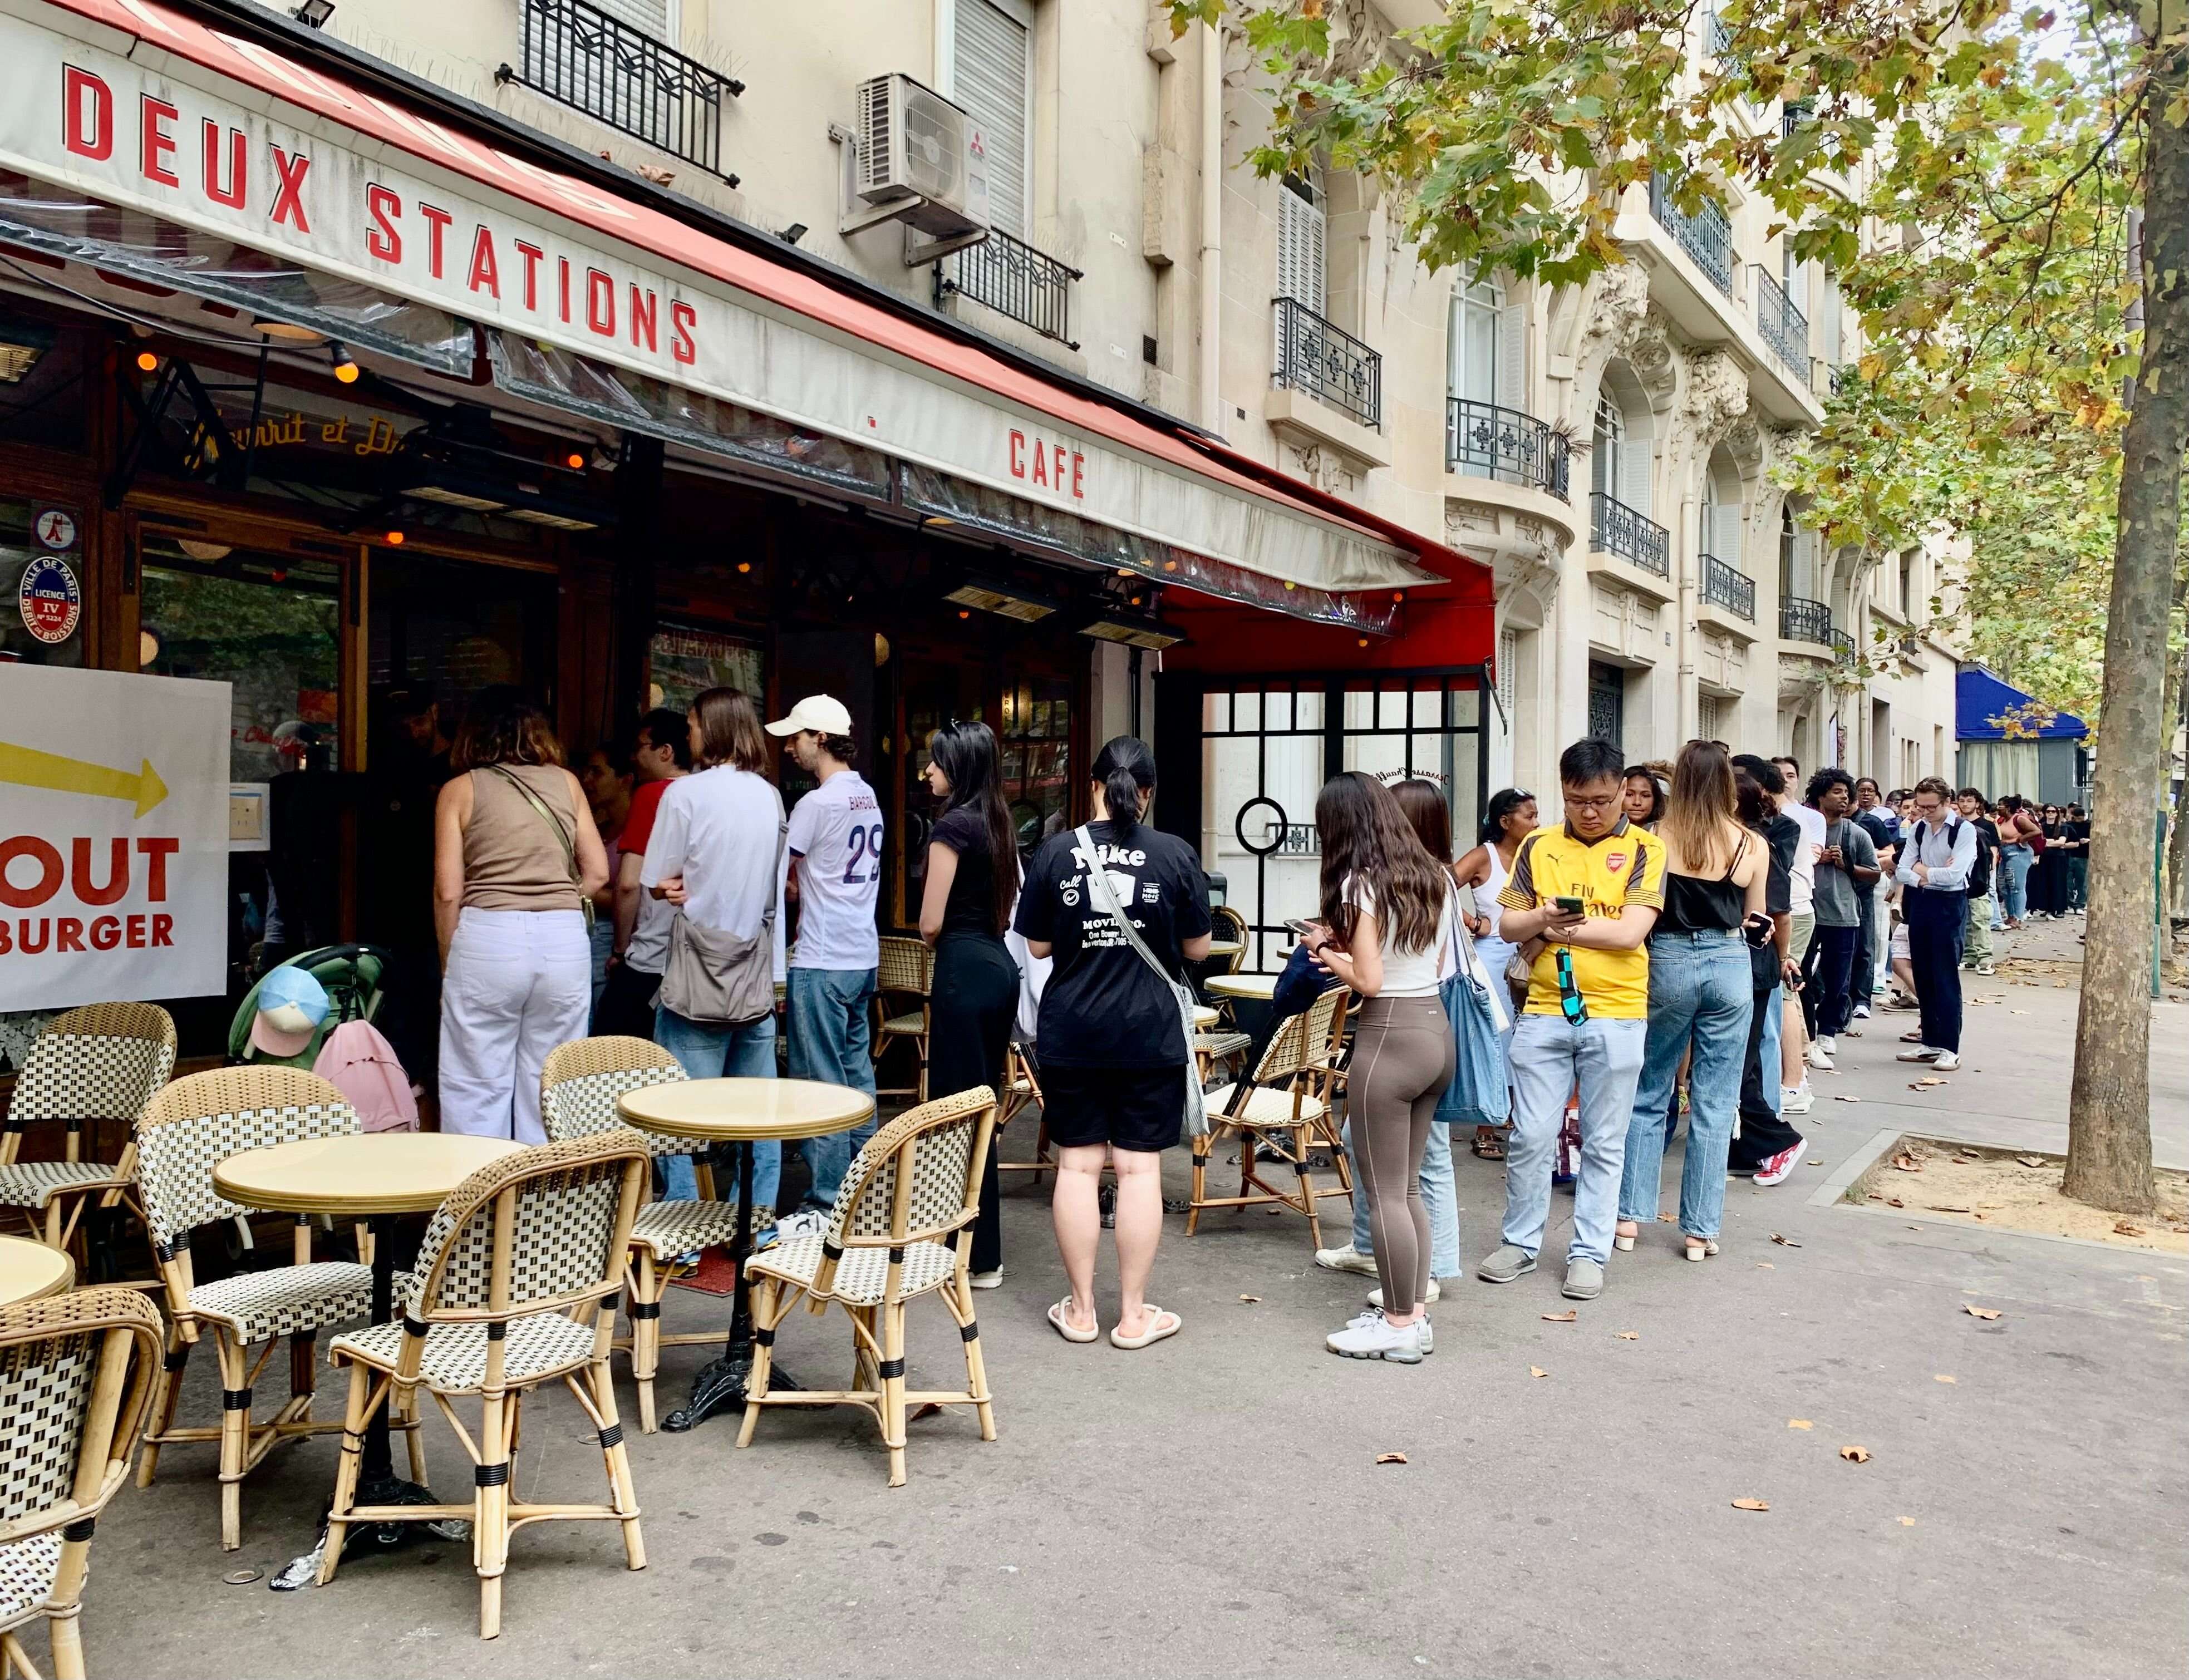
(916, 149)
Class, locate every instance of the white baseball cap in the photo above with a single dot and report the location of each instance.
(823, 713)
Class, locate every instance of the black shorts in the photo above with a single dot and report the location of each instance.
(1136, 1108)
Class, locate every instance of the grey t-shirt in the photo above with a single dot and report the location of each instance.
(1838, 902)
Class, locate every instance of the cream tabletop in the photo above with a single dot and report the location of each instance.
(30, 1272)
(364, 1173)
(1205, 1018)
(1261, 986)
(728, 1111)
(1226, 948)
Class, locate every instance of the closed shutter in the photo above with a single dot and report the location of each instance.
(650, 17)
(1300, 249)
(1805, 564)
(1508, 661)
(1828, 317)
(1722, 532)
(1605, 444)
(1511, 391)
(991, 84)
(1634, 465)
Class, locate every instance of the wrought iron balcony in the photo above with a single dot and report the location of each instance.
(1842, 645)
(586, 58)
(1728, 587)
(1706, 236)
(1785, 328)
(1794, 114)
(1329, 363)
(1613, 528)
(1487, 441)
(1718, 36)
(1006, 273)
(1803, 620)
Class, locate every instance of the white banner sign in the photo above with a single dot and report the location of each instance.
(113, 837)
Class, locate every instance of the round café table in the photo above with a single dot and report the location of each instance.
(374, 1176)
(1254, 987)
(31, 1271)
(740, 1113)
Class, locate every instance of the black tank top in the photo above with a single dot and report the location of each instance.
(1696, 904)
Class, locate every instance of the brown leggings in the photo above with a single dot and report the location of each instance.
(1402, 1062)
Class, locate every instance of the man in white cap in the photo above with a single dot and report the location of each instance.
(835, 847)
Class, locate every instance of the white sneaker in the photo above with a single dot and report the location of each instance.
(1375, 1296)
(1799, 1100)
(988, 1280)
(1348, 1259)
(1422, 1324)
(1818, 1056)
(1371, 1336)
(1862, 1011)
(1986, 968)
(1921, 1053)
(1946, 1061)
(806, 1222)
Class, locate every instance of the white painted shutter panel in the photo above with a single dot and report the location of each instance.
(1725, 538)
(1511, 387)
(1828, 317)
(1634, 464)
(1805, 564)
(649, 16)
(1300, 250)
(991, 84)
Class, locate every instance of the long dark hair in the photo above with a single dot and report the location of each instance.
(1125, 769)
(1422, 804)
(1502, 804)
(966, 754)
(1748, 800)
(1366, 838)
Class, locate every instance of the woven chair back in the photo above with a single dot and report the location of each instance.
(75, 1372)
(1301, 1042)
(193, 1125)
(938, 1151)
(102, 1061)
(907, 965)
(582, 1080)
(1227, 924)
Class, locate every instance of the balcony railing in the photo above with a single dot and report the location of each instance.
(579, 55)
(1706, 236)
(1802, 620)
(1785, 328)
(1718, 36)
(1009, 276)
(1728, 587)
(1488, 442)
(1792, 116)
(1842, 647)
(1613, 528)
(1329, 363)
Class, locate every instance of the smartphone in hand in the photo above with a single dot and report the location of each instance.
(1571, 907)
(1756, 929)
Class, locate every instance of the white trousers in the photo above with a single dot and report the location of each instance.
(519, 982)
(1880, 891)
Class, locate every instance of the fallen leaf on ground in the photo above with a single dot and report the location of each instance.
(1975, 1311)
(1751, 1505)
(2033, 1160)
(2127, 1228)
(1537, 1370)
(930, 1409)
(1908, 1522)
(1566, 1317)
(1784, 1242)
(1251, 1300)
(1799, 1423)
(1391, 1458)
(1894, 1202)
(1765, 1265)
(1630, 1335)
(2017, 1012)
(1855, 1454)
(1949, 1207)
(1905, 1161)
(1847, 1099)
(1945, 1379)
(1666, 1218)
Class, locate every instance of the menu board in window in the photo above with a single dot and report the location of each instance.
(687, 662)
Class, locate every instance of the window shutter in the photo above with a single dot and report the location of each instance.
(1805, 564)
(651, 17)
(1828, 317)
(1512, 386)
(1724, 533)
(1300, 250)
(991, 84)
(1634, 464)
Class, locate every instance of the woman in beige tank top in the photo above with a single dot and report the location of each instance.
(515, 857)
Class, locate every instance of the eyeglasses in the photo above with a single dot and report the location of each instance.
(1571, 1004)
(1604, 804)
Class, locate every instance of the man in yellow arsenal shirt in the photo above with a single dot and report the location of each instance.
(1590, 889)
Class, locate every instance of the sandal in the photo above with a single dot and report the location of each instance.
(1487, 1144)
(1060, 1317)
(1625, 1240)
(1161, 1323)
(1701, 1248)
(1915, 1038)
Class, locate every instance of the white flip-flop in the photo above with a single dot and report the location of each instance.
(1156, 1332)
(1057, 1316)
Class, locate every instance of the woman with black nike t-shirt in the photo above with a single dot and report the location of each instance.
(1114, 1057)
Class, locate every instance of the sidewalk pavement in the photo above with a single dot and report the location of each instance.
(1213, 1506)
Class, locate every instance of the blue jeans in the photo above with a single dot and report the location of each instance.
(1700, 989)
(706, 1051)
(831, 1029)
(1551, 1056)
(2014, 900)
(1440, 1201)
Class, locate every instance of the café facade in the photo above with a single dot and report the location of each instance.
(320, 381)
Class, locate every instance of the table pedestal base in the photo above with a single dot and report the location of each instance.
(368, 1538)
(719, 1387)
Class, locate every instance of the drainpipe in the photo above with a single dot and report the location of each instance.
(1685, 710)
(1212, 227)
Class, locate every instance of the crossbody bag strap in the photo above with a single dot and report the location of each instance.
(563, 837)
(1099, 887)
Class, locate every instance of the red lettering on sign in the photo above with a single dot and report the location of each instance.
(105, 933)
(439, 220)
(383, 239)
(163, 930)
(600, 302)
(562, 281)
(643, 316)
(157, 850)
(45, 927)
(1018, 454)
(531, 254)
(117, 873)
(48, 861)
(1059, 470)
(486, 272)
(136, 933)
(238, 188)
(1078, 475)
(68, 934)
(87, 114)
(289, 189)
(156, 146)
(682, 318)
(1041, 463)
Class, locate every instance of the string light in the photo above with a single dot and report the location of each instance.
(148, 361)
(346, 371)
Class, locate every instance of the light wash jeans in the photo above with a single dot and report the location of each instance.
(2014, 899)
(1767, 1049)
(1550, 1057)
(706, 1051)
(518, 983)
(831, 1029)
(1700, 989)
(1440, 1201)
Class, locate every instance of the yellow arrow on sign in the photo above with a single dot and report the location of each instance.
(28, 768)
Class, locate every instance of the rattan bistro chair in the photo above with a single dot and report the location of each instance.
(190, 1127)
(511, 1274)
(578, 1091)
(102, 1061)
(905, 976)
(899, 1228)
(1286, 1111)
(1023, 1091)
(76, 1377)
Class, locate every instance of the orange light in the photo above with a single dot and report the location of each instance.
(346, 372)
(1364, 641)
(1170, 565)
(964, 613)
(1398, 595)
(1124, 571)
(148, 361)
(574, 461)
(395, 539)
(744, 565)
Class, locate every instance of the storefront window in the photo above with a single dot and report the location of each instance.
(687, 662)
(1035, 740)
(20, 550)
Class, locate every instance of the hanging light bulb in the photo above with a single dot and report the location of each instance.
(148, 361)
(346, 371)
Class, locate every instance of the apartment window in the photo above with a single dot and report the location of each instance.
(649, 17)
(1910, 586)
(993, 81)
(1710, 717)
(1489, 345)
(1301, 273)
(1828, 317)
(1508, 661)
(1721, 531)
(1620, 459)
(1605, 443)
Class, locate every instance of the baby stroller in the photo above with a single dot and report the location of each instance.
(351, 975)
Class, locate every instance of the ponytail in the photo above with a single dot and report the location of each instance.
(1124, 769)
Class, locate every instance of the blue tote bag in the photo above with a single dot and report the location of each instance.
(1477, 1094)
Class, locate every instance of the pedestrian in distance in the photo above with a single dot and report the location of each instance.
(1884, 829)
(1934, 873)
(1982, 909)
(2020, 833)
(1591, 888)
(1389, 913)
(1793, 1047)
(1846, 870)
(1115, 1057)
(1768, 1146)
(515, 857)
(1510, 819)
(1700, 995)
(1641, 796)
(2077, 843)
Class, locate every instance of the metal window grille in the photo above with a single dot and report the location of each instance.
(1006, 273)
(584, 57)
(1785, 328)
(1329, 363)
(1729, 588)
(1706, 236)
(1489, 442)
(1613, 528)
